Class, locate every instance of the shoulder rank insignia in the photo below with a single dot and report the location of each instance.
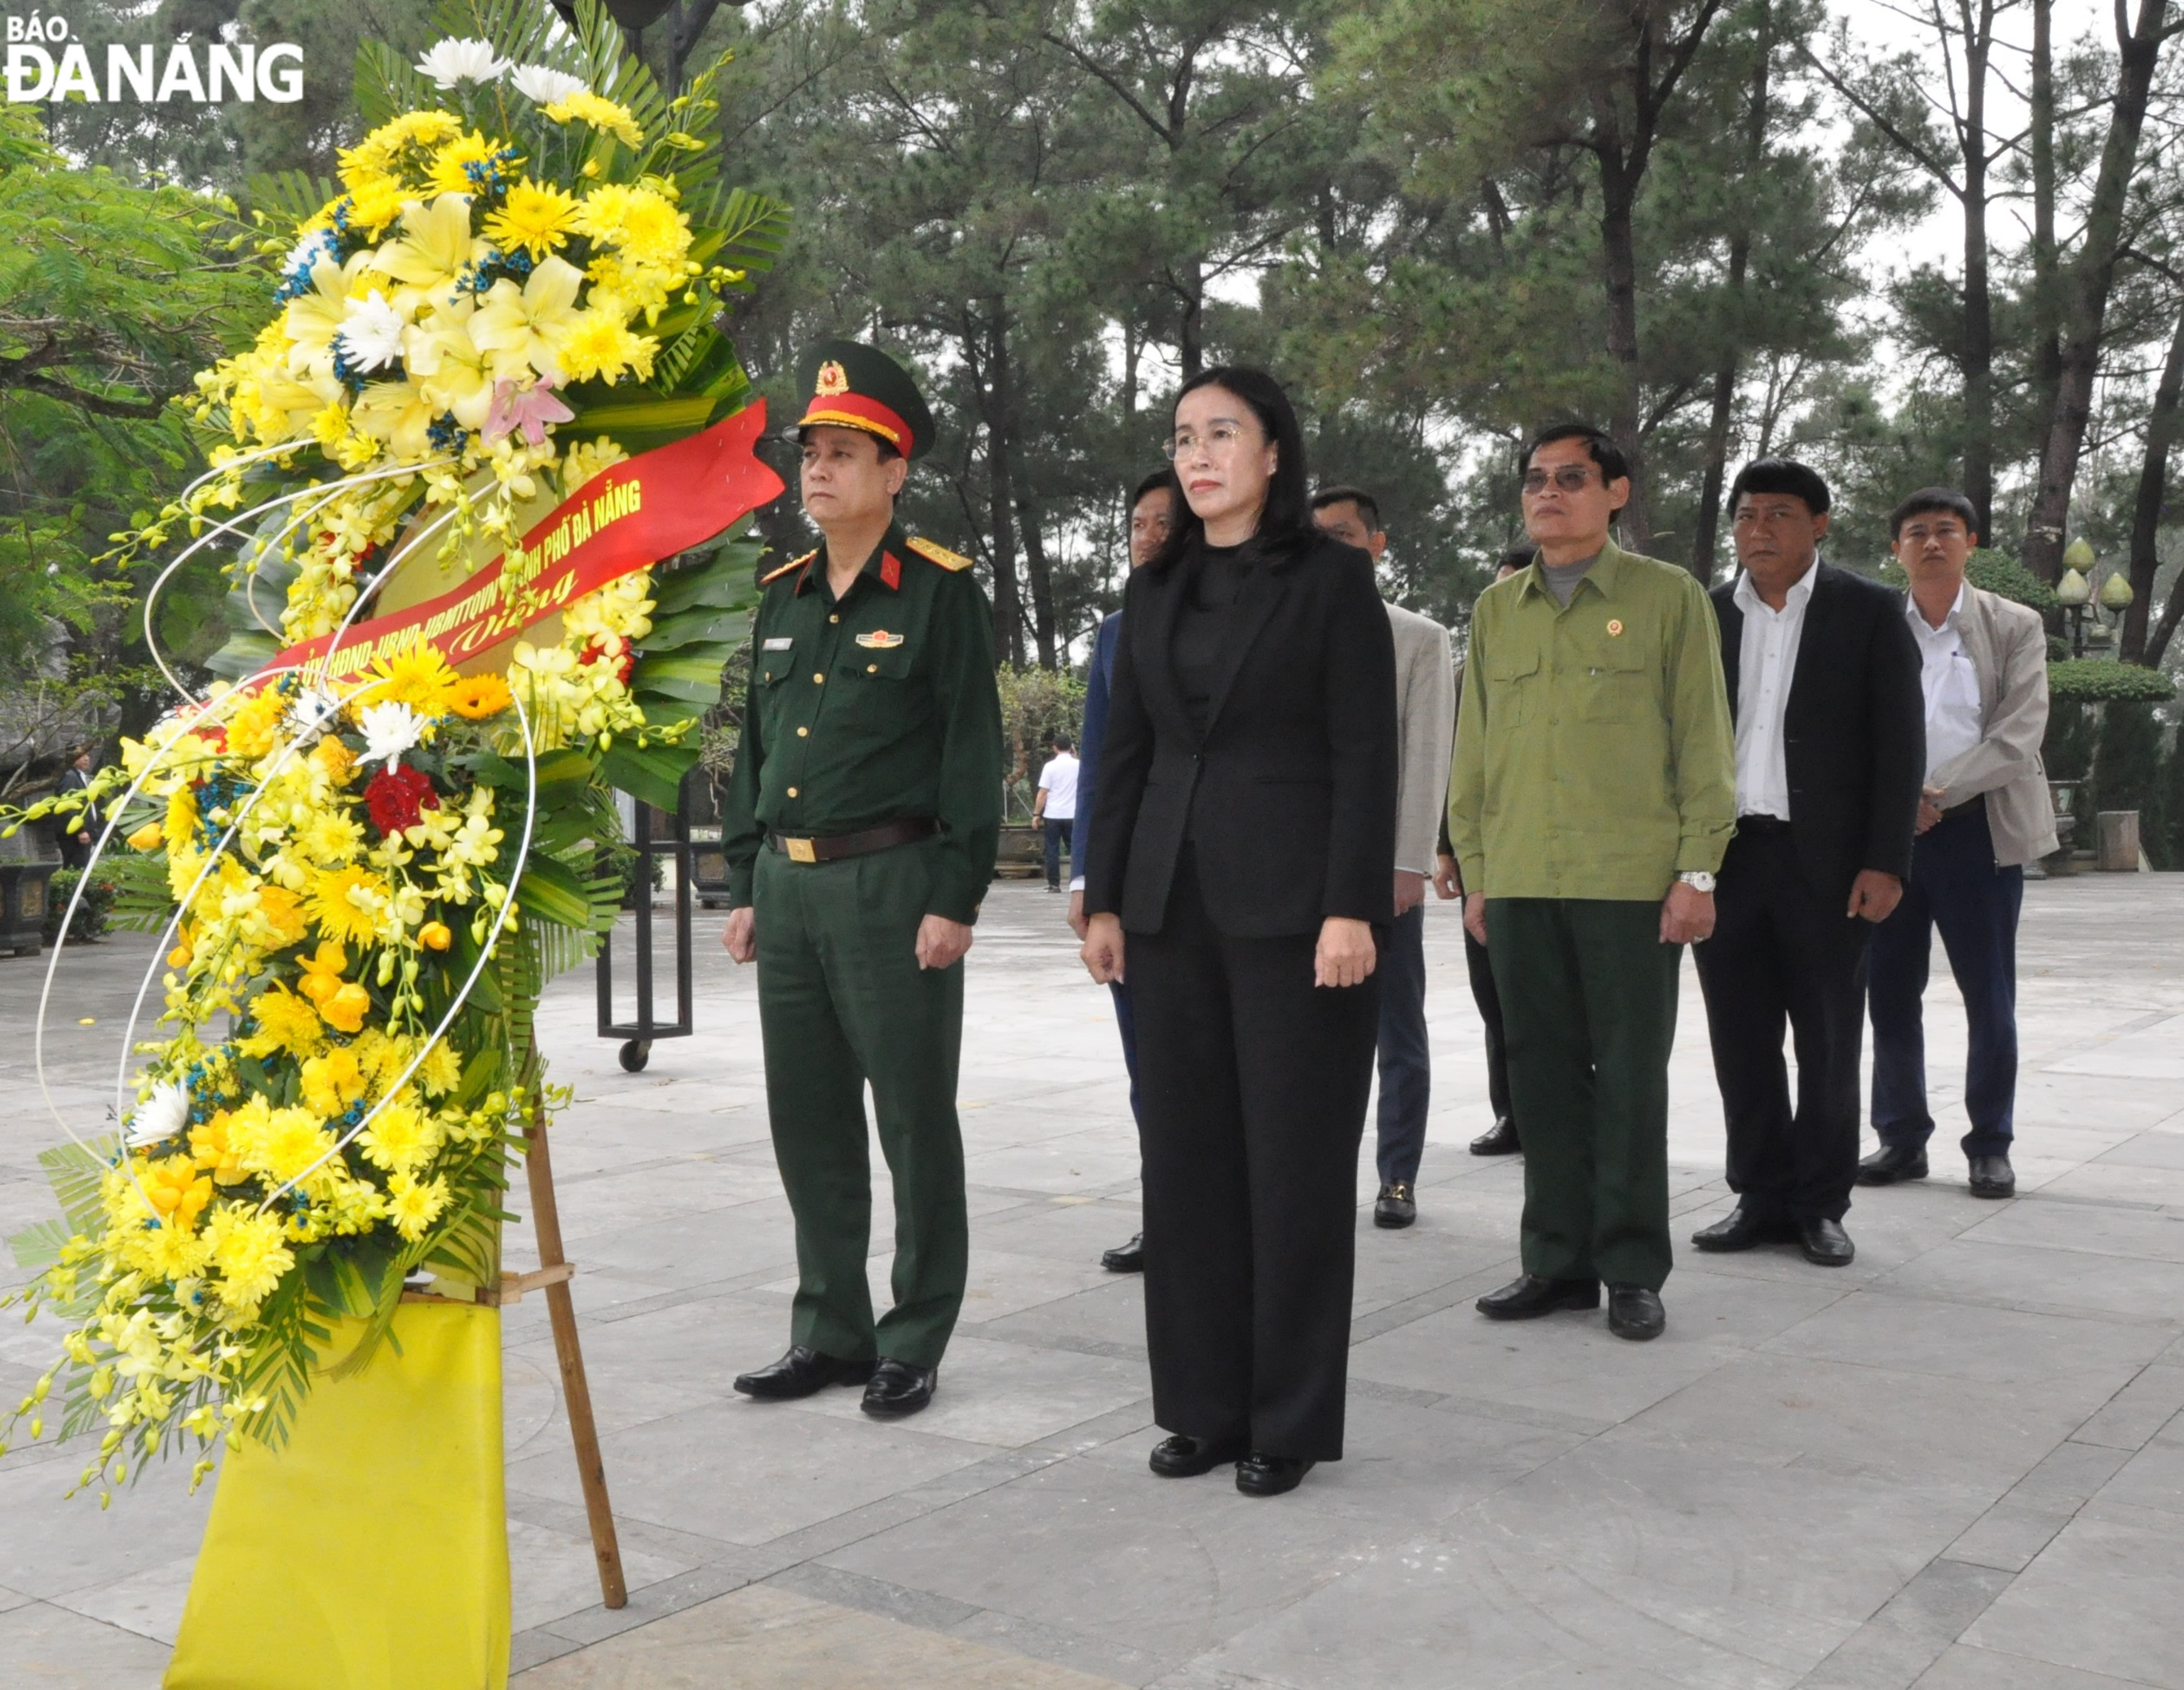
(879, 639)
(773, 576)
(939, 554)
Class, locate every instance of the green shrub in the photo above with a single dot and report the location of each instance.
(91, 915)
(2091, 680)
(2067, 749)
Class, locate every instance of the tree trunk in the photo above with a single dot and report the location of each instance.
(2152, 491)
(1191, 325)
(2092, 278)
(2157, 645)
(997, 401)
(1042, 585)
(2047, 296)
(1725, 375)
(1619, 262)
(1978, 350)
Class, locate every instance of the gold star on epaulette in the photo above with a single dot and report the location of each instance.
(767, 580)
(939, 554)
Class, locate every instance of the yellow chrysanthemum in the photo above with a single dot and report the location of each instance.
(535, 217)
(597, 346)
(345, 904)
(441, 1071)
(446, 174)
(180, 825)
(403, 1137)
(413, 1207)
(280, 921)
(375, 205)
(418, 676)
(279, 1144)
(335, 759)
(644, 226)
(601, 113)
(249, 1253)
(386, 146)
(284, 1022)
(332, 838)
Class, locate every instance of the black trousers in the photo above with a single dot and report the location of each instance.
(1406, 1058)
(1783, 951)
(1252, 1084)
(1481, 968)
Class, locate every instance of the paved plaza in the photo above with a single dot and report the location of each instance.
(1957, 1464)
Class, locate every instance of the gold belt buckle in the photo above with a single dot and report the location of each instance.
(800, 851)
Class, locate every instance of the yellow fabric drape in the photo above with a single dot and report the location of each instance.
(371, 1552)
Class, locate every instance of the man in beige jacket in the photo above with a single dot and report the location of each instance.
(1985, 814)
(1425, 719)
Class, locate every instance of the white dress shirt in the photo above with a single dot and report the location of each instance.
(1951, 683)
(1767, 661)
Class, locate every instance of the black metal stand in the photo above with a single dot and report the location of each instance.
(638, 1034)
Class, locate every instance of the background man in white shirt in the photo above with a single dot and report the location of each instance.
(1425, 719)
(1824, 683)
(1985, 813)
(1055, 808)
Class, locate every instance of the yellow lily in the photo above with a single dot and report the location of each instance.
(520, 330)
(449, 367)
(434, 248)
(398, 415)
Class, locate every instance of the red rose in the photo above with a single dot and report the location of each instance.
(397, 797)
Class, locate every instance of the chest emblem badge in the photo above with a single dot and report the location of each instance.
(1615, 629)
(879, 639)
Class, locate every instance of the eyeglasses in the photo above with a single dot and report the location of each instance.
(1569, 478)
(1217, 442)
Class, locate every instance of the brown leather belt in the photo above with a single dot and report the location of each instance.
(885, 837)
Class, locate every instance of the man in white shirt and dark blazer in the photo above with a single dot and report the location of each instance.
(1425, 719)
(1985, 813)
(1823, 680)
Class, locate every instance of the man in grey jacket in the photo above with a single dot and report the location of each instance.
(1984, 815)
(1425, 714)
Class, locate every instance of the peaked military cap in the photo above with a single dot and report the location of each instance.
(856, 385)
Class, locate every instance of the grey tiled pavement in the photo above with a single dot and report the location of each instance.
(1957, 1464)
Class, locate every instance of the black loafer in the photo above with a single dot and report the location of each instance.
(898, 1388)
(1892, 1163)
(1125, 1258)
(1397, 1205)
(1529, 1296)
(1184, 1457)
(1635, 1313)
(799, 1373)
(1260, 1474)
(1826, 1245)
(1991, 1176)
(1498, 1139)
(1741, 1229)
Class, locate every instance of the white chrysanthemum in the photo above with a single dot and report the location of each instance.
(371, 334)
(389, 730)
(162, 1115)
(310, 712)
(471, 60)
(543, 84)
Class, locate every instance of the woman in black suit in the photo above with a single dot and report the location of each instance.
(1242, 839)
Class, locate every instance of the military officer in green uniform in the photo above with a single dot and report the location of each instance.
(861, 828)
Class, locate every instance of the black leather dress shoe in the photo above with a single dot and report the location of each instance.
(799, 1373)
(1635, 1313)
(1125, 1258)
(1892, 1163)
(1259, 1475)
(1498, 1139)
(1184, 1457)
(898, 1388)
(1825, 1243)
(1743, 1228)
(1992, 1176)
(1529, 1296)
(1397, 1205)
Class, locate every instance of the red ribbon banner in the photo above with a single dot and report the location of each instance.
(636, 513)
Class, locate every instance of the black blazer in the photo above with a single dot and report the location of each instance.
(1854, 731)
(1290, 799)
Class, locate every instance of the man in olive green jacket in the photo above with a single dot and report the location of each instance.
(1592, 794)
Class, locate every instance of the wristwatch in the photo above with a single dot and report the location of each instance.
(1697, 879)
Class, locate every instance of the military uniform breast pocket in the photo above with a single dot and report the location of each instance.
(1510, 681)
(770, 673)
(1616, 686)
(880, 683)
